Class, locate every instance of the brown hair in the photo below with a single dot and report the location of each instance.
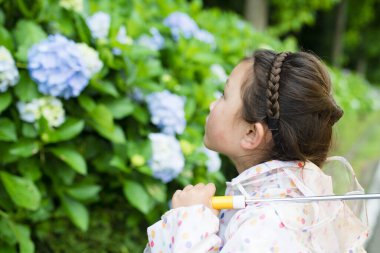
(291, 92)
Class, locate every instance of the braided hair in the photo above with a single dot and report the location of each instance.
(272, 94)
(291, 93)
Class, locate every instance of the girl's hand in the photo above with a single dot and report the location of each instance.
(195, 195)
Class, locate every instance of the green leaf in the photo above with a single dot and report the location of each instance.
(6, 39)
(29, 168)
(81, 26)
(35, 34)
(87, 103)
(72, 157)
(84, 192)
(71, 128)
(77, 213)
(116, 135)
(22, 191)
(119, 163)
(102, 117)
(156, 190)
(102, 122)
(4, 248)
(26, 90)
(5, 100)
(28, 130)
(24, 148)
(7, 130)
(22, 233)
(105, 87)
(120, 108)
(6, 233)
(141, 115)
(64, 173)
(137, 196)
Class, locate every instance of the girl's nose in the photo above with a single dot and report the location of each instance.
(212, 105)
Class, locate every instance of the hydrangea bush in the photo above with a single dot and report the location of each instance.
(102, 110)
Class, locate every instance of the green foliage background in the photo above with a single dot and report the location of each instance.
(59, 190)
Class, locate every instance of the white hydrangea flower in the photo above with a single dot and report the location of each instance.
(90, 58)
(48, 107)
(75, 5)
(8, 71)
(218, 71)
(99, 24)
(213, 162)
(29, 112)
(167, 159)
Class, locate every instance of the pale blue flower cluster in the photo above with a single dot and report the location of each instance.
(99, 25)
(181, 24)
(8, 71)
(62, 68)
(218, 71)
(167, 159)
(205, 36)
(154, 42)
(213, 162)
(48, 107)
(167, 112)
(122, 36)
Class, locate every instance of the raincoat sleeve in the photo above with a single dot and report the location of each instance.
(184, 229)
(194, 229)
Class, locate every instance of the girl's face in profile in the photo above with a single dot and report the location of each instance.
(224, 125)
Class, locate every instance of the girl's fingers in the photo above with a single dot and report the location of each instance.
(199, 186)
(177, 192)
(210, 188)
(188, 187)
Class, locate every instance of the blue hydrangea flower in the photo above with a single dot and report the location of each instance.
(181, 24)
(137, 95)
(8, 71)
(167, 112)
(205, 37)
(154, 42)
(99, 25)
(213, 162)
(56, 65)
(167, 159)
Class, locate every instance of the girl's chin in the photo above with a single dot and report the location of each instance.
(208, 145)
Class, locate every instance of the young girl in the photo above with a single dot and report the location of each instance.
(274, 122)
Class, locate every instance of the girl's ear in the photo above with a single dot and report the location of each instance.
(253, 136)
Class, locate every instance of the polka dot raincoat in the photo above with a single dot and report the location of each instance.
(320, 227)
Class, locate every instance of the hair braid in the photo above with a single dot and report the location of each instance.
(273, 107)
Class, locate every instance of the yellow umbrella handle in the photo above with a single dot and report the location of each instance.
(239, 201)
(228, 202)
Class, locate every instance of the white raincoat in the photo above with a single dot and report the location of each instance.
(316, 227)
